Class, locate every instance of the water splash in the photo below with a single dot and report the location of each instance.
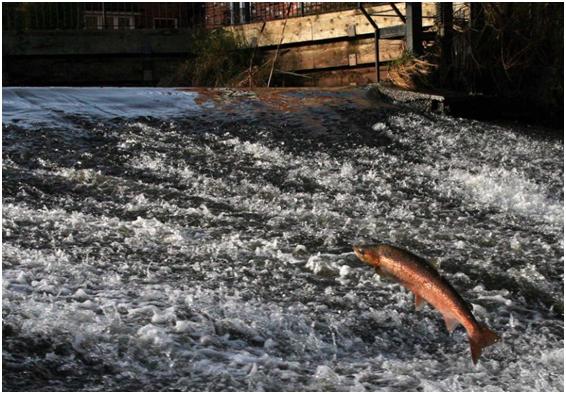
(146, 246)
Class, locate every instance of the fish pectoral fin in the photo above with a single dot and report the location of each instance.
(451, 322)
(419, 302)
(384, 275)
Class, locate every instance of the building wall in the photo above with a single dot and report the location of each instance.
(100, 16)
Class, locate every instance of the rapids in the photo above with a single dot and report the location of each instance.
(161, 239)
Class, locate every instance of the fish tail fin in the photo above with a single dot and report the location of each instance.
(480, 338)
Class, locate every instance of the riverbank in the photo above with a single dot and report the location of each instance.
(518, 111)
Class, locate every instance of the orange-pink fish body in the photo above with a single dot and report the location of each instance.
(419, 276)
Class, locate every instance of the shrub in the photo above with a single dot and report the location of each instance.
(219, 57)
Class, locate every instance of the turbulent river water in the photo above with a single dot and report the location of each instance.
(160, 239)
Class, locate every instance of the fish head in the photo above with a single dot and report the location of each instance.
(369, 254)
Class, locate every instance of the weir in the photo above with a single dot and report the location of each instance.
(210, 232)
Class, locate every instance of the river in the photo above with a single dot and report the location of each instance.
(164, 239)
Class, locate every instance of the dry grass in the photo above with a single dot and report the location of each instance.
(256, 76)
(411, 73)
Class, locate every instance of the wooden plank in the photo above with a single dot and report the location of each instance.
(326, 26)
(392, 32)
(353, 76)
(336, 54)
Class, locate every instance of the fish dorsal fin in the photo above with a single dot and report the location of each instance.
(419, 302)
(451, 322)
(433, 264)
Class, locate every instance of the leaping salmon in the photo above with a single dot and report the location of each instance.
(419, 276)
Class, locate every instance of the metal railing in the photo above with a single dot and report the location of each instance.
(101, 16)
(128, 15)
(222, 14)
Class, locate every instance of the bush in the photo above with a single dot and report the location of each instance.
(220, 56)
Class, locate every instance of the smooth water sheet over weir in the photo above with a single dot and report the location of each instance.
(159, 239)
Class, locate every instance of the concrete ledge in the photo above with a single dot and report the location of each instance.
(87, 42)
(427, 102)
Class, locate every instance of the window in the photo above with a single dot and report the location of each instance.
(109, 20)
(125, 23)
(91, 22)
(164, 23)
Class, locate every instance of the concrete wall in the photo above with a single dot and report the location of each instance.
(128, 57)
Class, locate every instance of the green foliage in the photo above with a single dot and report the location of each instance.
(219, 57)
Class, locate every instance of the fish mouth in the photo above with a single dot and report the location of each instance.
(366, 253)
(359, 252)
